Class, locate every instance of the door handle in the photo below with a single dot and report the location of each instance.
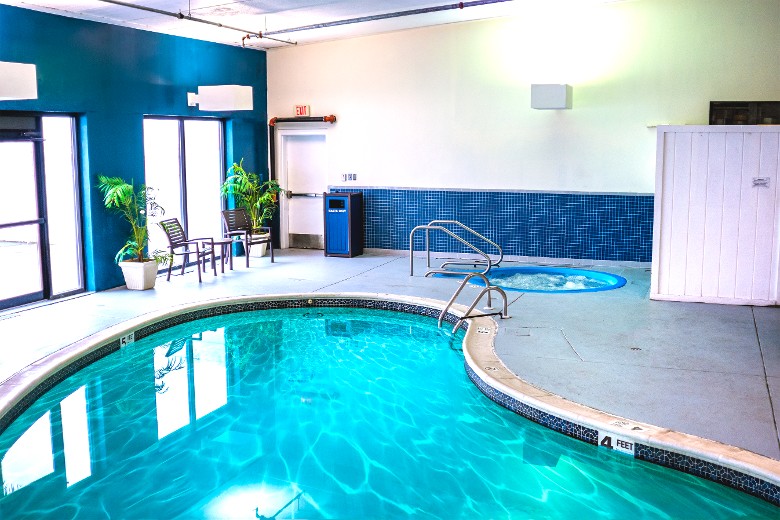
(291, 194)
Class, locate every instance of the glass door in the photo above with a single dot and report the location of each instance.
(21, 277)
(162, 162)
(184, 161)
(40, 240)
(63, 224)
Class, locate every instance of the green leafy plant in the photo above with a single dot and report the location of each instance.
(261, 199)
(136, 206)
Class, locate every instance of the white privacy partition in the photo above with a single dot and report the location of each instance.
(716, 230)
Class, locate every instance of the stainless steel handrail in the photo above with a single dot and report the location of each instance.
(504, 314)
(475, 233)
(486, 290)
(459, 289)
(291, 194)
(450, 233)
(437, 225)
(472, 262)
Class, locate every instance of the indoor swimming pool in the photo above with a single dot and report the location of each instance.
(316, 412)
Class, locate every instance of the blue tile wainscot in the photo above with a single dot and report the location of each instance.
(615, 227)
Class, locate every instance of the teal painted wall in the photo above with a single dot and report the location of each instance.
(111, 77)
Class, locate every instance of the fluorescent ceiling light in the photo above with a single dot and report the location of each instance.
(222, 98)
(17, 81)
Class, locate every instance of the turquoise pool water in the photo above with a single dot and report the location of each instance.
(316, 413)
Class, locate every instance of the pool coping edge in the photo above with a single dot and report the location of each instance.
(491, 375)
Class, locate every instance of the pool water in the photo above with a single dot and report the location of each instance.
(553, 279)
(316, 413)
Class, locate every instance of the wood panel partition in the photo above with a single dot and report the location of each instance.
(716, 233)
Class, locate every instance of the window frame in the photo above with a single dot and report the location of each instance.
(36, 136)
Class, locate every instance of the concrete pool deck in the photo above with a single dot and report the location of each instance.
(706, 370)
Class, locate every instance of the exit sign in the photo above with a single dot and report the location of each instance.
(302, 111)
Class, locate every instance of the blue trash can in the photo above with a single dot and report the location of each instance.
(343, 224)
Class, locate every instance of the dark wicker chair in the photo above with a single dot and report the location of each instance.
(238, 227)
(202, 248)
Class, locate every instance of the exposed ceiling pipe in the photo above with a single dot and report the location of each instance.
(188, 16)
(316, 119)
(258, 34)
(385, 16)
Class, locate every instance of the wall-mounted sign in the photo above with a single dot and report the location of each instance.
(614, 442)
(127, 339)
(302, 111)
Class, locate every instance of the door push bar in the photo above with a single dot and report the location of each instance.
(291, 194)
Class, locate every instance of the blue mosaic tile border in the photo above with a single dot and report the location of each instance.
(685, 463)
(55, 379)
(228, 308)
(232, 308)
(569, 428)
(701, 468)
(552, 225)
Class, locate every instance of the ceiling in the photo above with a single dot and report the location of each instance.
(279, 21)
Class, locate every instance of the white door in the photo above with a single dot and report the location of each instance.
(303, 174)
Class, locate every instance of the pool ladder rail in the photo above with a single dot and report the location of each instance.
(488, 289)
(439, 225)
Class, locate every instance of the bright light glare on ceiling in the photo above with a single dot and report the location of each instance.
(565, 42)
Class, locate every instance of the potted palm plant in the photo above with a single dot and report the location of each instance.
(260, 199)
(136, 206)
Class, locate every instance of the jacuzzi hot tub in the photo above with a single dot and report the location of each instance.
(552, 279)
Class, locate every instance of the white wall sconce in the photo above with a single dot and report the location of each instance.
(18, 81)
(551, 97)
(221, 98)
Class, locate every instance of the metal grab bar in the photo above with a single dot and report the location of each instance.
(439, 225)
(450, 233)
(465, 227)
(504, 314)
(486, 290)
(459, 289)
(291, 194)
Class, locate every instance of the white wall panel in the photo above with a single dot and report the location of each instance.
(774, 284)
(697, 213)
(717, 232)
(748, 206)
(662, 242)
(681, 179)
(732, 174)
(716, 166)
(766, 237)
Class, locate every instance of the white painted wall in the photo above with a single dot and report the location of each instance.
(449, 106)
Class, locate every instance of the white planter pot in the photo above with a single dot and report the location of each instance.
(258, 250)
(139, 276)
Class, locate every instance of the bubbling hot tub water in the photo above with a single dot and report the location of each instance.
(553, 279)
